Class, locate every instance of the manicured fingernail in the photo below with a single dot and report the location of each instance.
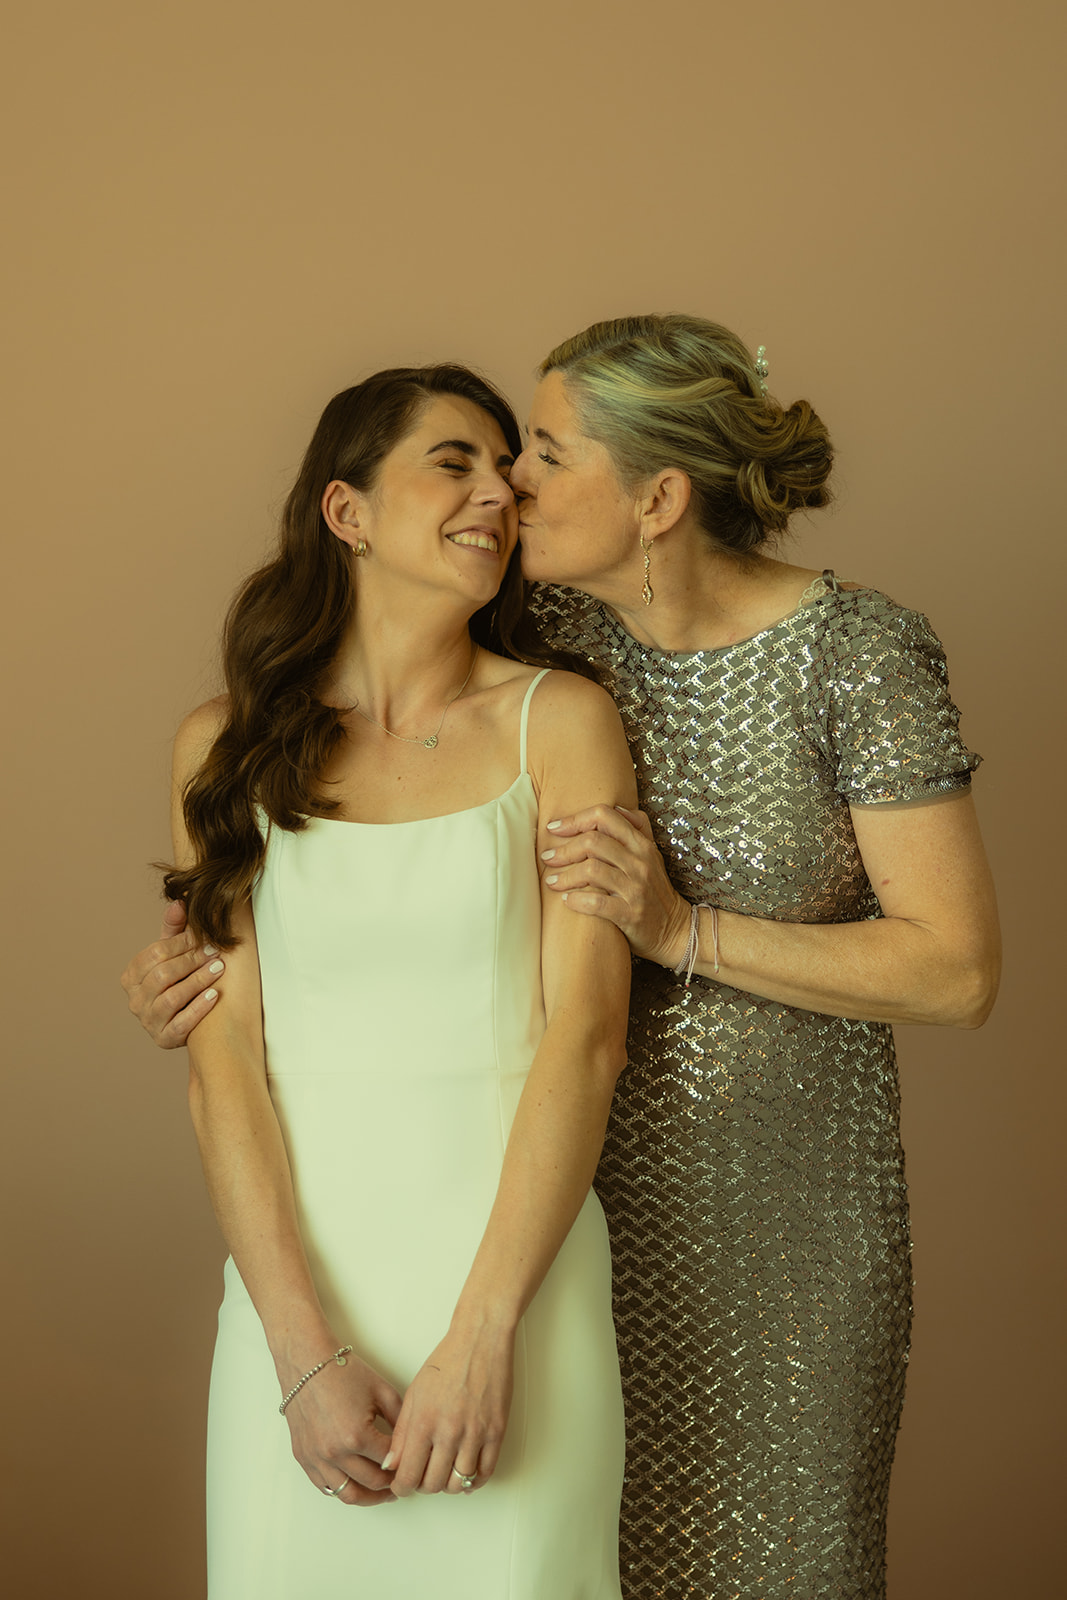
(565, 896)
(211, 994)
(387, 1464)
(546, 855)
(209, 950)
(552, 878)
(551, 825)
(217, 966)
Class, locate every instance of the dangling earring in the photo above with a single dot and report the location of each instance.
(360, 547)
(646, 593)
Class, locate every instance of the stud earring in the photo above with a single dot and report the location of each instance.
(359, 548)
(646, 593)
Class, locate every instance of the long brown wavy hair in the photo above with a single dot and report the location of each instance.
(284, 629)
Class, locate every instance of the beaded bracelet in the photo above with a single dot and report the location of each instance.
(338, 1356)
(688, 960)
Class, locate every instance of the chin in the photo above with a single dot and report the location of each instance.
(535, 569)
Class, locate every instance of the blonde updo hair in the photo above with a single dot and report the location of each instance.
(678, 391)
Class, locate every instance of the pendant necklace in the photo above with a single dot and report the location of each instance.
(429, 743)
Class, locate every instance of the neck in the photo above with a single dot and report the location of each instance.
(402, 670)
(704, 598)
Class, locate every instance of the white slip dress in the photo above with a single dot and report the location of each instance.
(402, 1001)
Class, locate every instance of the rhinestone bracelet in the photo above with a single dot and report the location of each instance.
(338, 1356)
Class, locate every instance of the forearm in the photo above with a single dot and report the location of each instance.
(248, 1179)
(889, 969)
(548, 1167)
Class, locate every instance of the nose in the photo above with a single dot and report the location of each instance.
(493, 489)
(520, 477)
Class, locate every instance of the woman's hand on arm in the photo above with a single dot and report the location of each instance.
(456, 1410)
(933, 956)
(603, 862)
(332, 1418)
(171, 984)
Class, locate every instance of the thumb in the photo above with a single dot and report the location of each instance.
(389, 1404)
(173, 918)
(638, 818)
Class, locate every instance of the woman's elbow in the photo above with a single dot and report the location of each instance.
(972, 994)
(607, 1055)
(982, 997)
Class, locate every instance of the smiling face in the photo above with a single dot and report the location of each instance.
(441, 514)
(577, 523)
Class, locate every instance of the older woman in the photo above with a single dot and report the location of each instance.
(806, 871)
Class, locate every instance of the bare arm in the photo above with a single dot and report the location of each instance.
(456, 1409)
(933, 956)
(247, 1170)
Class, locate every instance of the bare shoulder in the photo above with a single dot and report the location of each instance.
(197, 733)
(565, 702)
(577, 751)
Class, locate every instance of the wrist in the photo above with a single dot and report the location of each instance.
(493, 1320)
(676, 939)
(300, 1346)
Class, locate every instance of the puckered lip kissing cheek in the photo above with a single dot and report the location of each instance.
(484, 539)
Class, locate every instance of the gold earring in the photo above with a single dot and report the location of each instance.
(359, 548)
(646, 593)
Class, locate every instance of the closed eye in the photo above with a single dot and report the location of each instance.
(543, 455)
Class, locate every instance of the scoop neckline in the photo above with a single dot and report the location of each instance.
(439, 816)
(803, 605)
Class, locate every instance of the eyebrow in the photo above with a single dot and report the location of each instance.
(543, 433)
(468, 449)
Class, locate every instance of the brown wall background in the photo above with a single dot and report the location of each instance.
(223, 213)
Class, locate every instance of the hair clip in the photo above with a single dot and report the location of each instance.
(762, 368)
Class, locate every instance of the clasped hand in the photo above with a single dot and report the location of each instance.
(449, 1426)
(607, 865)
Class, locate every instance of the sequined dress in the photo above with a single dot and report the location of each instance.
(753, 1177)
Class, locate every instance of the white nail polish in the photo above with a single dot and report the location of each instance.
(551, 825)
(211, 994)
(546, 855)
(209, 950)
(217, 966)
(552, 878)
(388, 1462)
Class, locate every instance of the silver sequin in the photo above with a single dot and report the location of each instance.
(753, 1176)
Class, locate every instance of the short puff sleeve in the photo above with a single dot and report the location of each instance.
(893, 725)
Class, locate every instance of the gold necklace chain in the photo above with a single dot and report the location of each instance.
(429, 743)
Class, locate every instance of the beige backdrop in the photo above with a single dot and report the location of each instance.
(226, 211)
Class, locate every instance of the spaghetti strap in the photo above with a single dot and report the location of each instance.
(526, 715)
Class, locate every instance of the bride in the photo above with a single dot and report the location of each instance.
(401, 1106)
